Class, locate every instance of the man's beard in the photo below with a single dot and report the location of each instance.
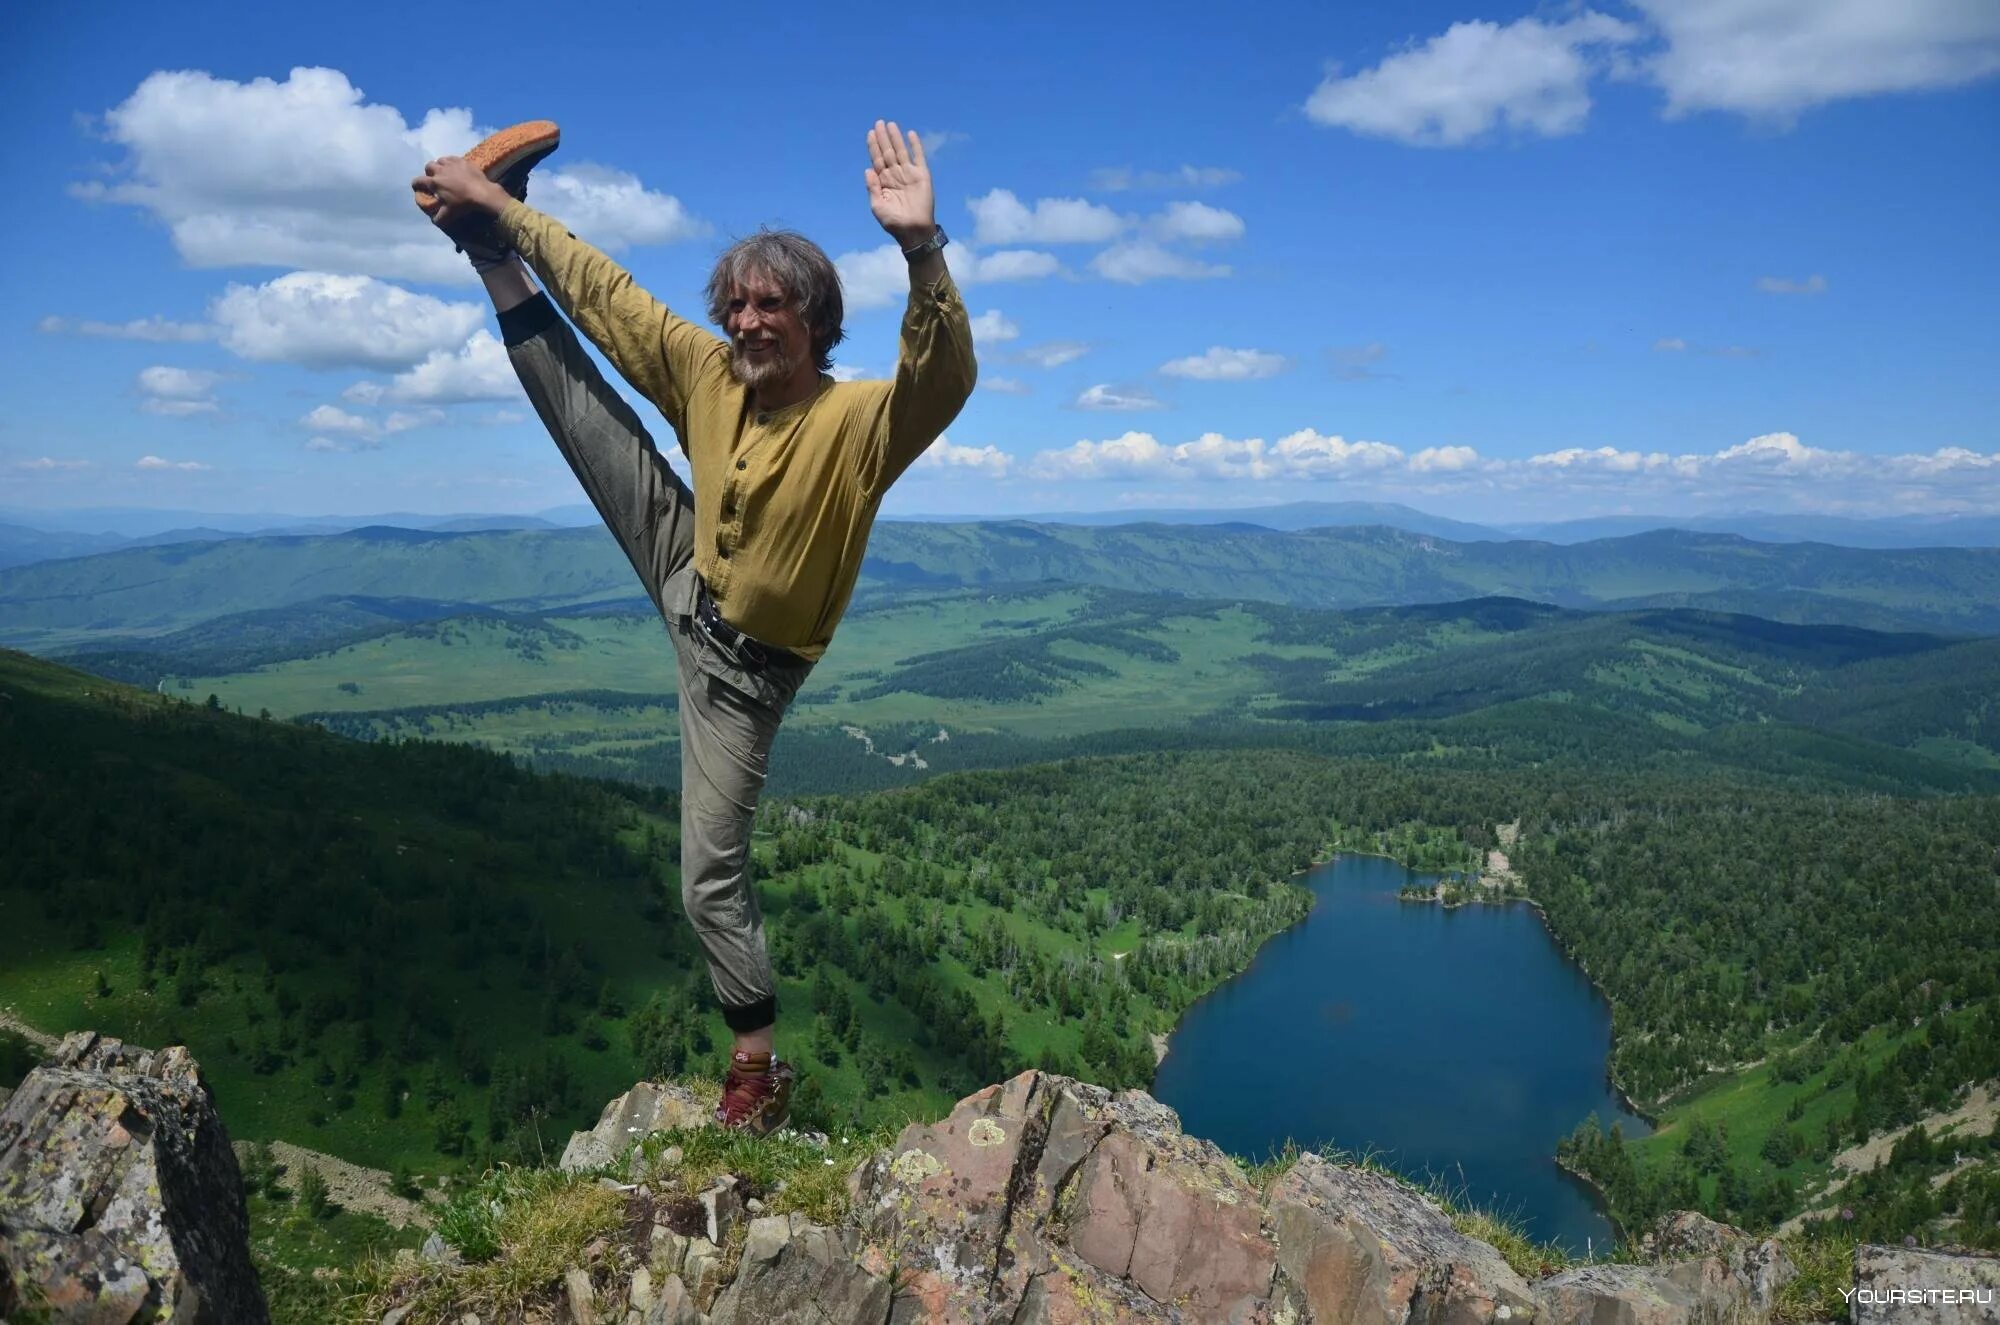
(772, 370)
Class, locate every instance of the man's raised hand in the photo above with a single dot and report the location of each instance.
(460, 189)
(899, 185)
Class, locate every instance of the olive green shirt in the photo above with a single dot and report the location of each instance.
(783, 500)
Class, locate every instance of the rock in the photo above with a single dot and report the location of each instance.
(795, 1272)
(722, 1209)
(627, 1120)
(1053, 1197)
(1908, 1287)
(120, 1198)
(396, 1315)
(1358, 1245)
(435, 1248)
(701, 1271)
(640, 1294)
(674, 1305)
(581, 1296)
(1759, 1269)
(669, 1252)
(1699, 1290)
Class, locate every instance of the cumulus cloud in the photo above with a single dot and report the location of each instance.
(1444, 460)
(993, 327)
(941, 140)
(1195, 222)
(946, 458)
(1139, 261)
(880, 277)
(1107, 397)
(1775, 58)
(1004, 386)
(44, 464)
(1219, 364)
(613, 208)
(320, 320)
(143, 328)
(159, 463)
(477, 370)
(1118, 179)
(177, 392)
(1529, 77)
(331, 418)
(1054, 353)
(1814, 284)
(845, 372)
(1001, 218)
(1302, 455)
(306, 174)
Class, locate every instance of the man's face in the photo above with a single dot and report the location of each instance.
(769, 338)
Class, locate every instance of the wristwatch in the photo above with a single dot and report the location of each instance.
(937, 241)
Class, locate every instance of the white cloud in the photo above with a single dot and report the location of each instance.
(1139, 261)
(49, 464)
(477, 370)
(845, 372)
(945, 457)
(1814, 284)
(1107, 397)
(993, 327)
(1196, 222)
(612, 208)
(153, 462)
(1220, 364)
(1444, 460)
(403, 420)
(1054, 353)
(1002, 218)
(1670, 345)
(1301, 456)
(325, 321)
(880, 277)
(1530, 76)
(1004, 386)
(333, 445)
(1118, 179)
(306, 174)
(1774, 58)
(177, 392)
(331, 418)
(143, 328)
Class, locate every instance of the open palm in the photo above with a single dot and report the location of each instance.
(899, 185)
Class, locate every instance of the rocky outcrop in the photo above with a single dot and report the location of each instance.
(644, 1108)
(1915, 1287)
(1046, 1201)
(120, 1199)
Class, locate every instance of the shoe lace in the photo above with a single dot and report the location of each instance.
(743, 1093)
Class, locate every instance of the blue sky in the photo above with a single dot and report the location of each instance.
(1494, 261)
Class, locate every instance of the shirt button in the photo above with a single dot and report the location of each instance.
(743, 464)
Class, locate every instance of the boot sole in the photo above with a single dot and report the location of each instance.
(499, 153)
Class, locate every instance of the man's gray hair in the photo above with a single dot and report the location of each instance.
(797, 266)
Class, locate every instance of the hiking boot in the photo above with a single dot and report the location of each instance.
(505, 158)
(756, 1095)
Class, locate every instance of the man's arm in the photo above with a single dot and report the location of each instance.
(660, 354)
(935, 366)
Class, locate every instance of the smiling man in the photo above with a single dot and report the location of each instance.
(752, 568)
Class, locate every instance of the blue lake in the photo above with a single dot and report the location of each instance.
(1459, 1045)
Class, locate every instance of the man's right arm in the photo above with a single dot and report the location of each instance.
(662, 355)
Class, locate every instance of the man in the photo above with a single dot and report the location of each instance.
(753, 568)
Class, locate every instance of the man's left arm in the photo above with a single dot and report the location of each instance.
(935, 366)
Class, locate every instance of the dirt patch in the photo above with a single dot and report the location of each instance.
(1981, 1107)
(351, 1186)
(10, 1022)
(1159, 1048)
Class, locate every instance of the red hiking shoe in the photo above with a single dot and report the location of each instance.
(756, 1095)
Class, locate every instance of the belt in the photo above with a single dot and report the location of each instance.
(749, 649)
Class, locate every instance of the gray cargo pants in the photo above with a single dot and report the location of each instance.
(729, 709)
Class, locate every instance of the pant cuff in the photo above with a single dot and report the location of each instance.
(526, 320)
(751, 1016)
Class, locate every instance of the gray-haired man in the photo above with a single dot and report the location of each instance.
(753, 568)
